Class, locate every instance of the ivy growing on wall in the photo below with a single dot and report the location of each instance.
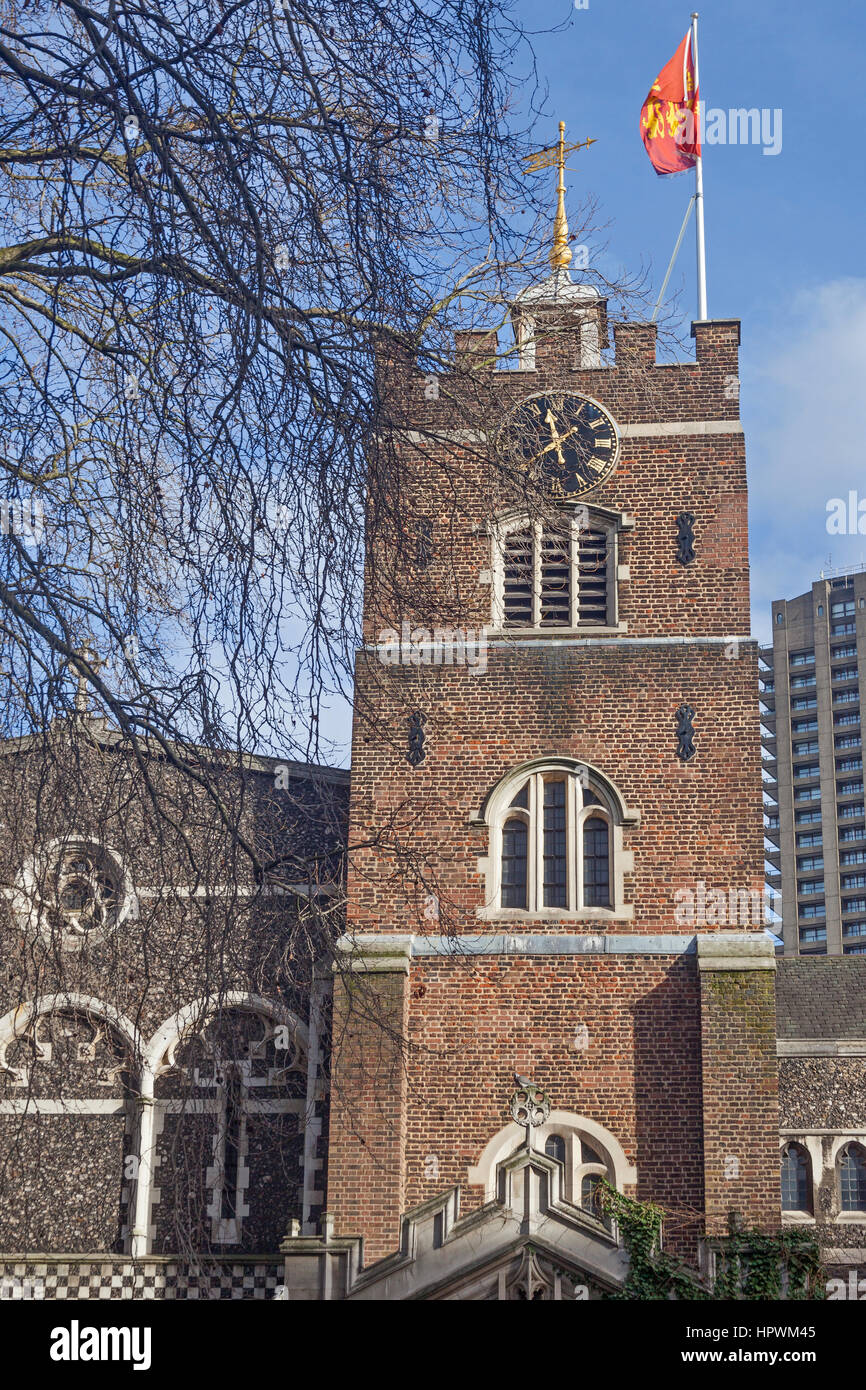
(750, 1264)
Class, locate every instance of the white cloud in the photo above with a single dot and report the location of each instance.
(804, 409)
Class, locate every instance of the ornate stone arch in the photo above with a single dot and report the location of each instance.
(161, 1050)
(621, 1173)
(20, 1021)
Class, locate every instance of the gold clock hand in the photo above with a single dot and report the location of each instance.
(555, 440)
(580, 466)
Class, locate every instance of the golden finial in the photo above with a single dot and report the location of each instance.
(560, 252)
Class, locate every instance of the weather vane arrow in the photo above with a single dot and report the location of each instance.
(545, 159)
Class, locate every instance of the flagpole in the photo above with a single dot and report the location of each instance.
(699, 187)
(673, 259)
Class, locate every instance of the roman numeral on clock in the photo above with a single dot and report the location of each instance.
(567, 438)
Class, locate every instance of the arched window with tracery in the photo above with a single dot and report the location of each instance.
(796, 1185)
(230, 1107)
(556, 843)
(554, 1147)
(68, 1087)
(585, 1169)
(851, 1167)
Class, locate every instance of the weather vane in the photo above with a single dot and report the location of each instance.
(560, 252)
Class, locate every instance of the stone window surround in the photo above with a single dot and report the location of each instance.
(820, 1172)
(572, 1127)
(495, 812)
(794, 1217)
(31, 908)
(601, 518)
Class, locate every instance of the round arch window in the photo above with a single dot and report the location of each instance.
(87, 890)
(75, 890)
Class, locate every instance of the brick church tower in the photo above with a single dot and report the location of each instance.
(555, 826)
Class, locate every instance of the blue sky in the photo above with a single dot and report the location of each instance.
(785, 233)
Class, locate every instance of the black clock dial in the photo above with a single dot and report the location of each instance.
(565, 440)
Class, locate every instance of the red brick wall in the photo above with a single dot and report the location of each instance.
(367, 1124)
(472, 1022)
(740, 1086)
(614, 709)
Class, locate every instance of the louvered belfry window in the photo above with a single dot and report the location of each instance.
(557, 576)
(592, 567)
(518, 567)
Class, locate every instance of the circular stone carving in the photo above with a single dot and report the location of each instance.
(75, 889)
(530, 1106)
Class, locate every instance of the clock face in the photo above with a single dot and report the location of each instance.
(566, 441)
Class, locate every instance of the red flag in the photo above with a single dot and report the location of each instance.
(669, 116)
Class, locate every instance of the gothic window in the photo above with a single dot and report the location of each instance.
(556, 845)
(594, 1173)
(795, 1179)
(590, 1194)
(852, 1178)
(596, 862)
(557, 575)
(514, 863)
(584, 1171)
(554, 1147)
